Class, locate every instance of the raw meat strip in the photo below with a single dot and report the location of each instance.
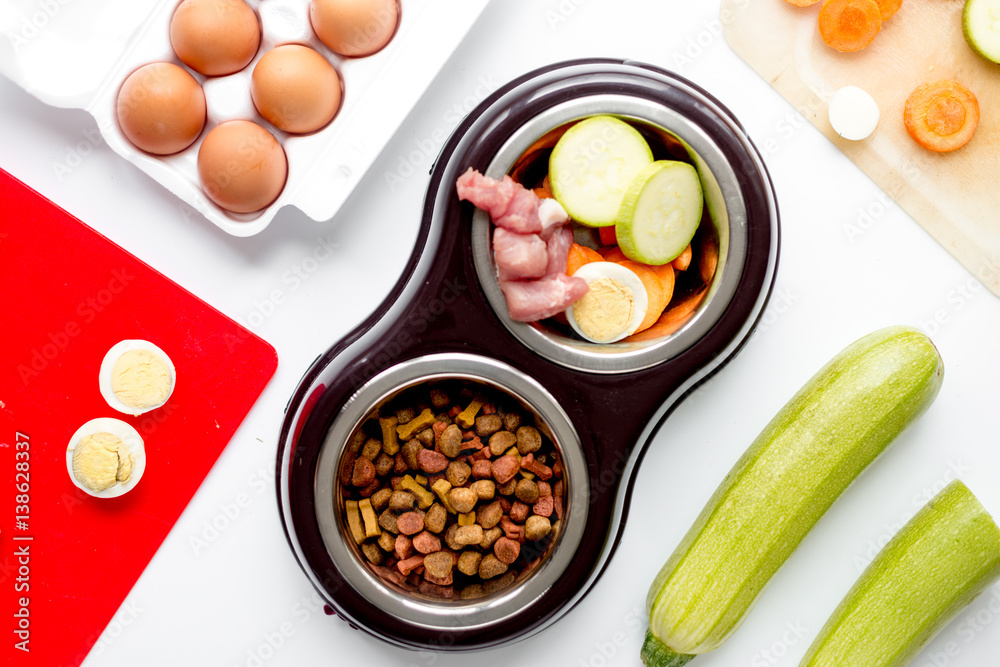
(533, 300)
(520, 255)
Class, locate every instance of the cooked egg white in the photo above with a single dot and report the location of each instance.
(106, 457)
(854, 113)
(136, 376)
(613, 308)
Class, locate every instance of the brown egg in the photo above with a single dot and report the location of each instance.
(295, 89)
(354, 27)
(161, 108)
(242, 166)
(215, 37)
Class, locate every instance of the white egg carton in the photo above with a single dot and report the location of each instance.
(77, 54)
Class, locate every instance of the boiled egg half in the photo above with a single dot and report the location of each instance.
(136, 376)
(106, 457)
(614, 307)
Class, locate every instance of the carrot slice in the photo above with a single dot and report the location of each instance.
(671, 320)
(709, 261)
(542, 193)
(665, 272)
(591, 254)
(802, 3)
(849, 25)
(683, 260)
(654, 292)
(888, 8)
(608, 236)
(615, 254)
(941, 116)
(575, 259)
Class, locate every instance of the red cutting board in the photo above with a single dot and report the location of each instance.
(68, 560)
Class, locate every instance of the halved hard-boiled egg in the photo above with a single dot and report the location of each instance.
(106, 457)
(614, 307)
(136, 376)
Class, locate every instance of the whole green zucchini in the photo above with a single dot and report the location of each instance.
(933, 568)
(812, 450)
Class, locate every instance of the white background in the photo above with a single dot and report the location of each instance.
(851, 262)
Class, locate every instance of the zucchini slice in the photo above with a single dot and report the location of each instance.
(981, 27)
(660, 212)
(592, 165)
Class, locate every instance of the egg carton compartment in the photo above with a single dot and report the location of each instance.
(77, 55)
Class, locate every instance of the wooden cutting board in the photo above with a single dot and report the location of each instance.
(955, 196)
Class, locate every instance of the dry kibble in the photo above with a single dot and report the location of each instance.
(364, 473)
(450, 486)
(436, 518)
(501, 441)
(485, 488)
(431, 462)
(439, 565)
(426, 542)
(380, 499)
(372, 553)
(458, 473)
(426, 437)
(489, 515)
(490, 537)
(491, 566)
(482, 469)
(401, 501)
(410, 523)
(529, 440)
(527, 491)
(403, 548)
(537, 527)
(504, 469)
(463, 499)
(487, 425)
(388, 521)
(507, 550)
(511, 421)
(372, 449)
(387, 541)
(468, 535)
(451, 441)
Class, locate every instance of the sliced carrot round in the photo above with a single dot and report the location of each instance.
(849, 25)
(657, 300)
(941, 116)
(888, 8)
(802, 3)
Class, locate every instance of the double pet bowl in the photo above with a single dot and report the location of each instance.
(446, 319)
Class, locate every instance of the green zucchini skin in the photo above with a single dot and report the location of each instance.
(939, 562)
(833, 428)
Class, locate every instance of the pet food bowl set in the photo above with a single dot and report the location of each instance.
(447, 319)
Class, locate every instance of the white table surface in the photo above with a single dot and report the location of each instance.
(851, 261)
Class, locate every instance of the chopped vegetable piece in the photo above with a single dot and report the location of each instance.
(941, 116)
(683, 260)
(981, 27)
(580, 255)
(854, 113)
(932, 569)
(802, 3)
(849, 25)
(660, 212)
(607, 235)
(672, 319)
(656, 298)
(888, 8)
(593, 164)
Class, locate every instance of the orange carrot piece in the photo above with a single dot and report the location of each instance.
(941, 116)
(671, 320)
(592, 255)
(575, 259)
(888, 8)
(683, 260)
(542, 193)
(654, 291)
(615, 254)
(849, 25)
(709, 261)
(607, 235)
(665, 273)
(802, 3)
